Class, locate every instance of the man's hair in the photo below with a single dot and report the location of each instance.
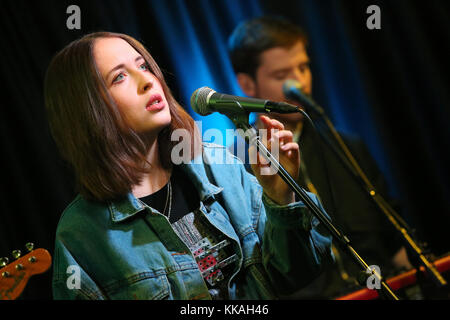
(252, 37)
(108, 157)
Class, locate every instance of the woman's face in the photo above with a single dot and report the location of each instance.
(136, 91)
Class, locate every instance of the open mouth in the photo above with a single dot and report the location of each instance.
(155, 103)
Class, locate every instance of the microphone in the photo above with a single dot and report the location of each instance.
(205, 101)
(292, 89)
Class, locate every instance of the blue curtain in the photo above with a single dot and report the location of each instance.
(195, 35)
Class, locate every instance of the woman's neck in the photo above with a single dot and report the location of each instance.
(157, 176)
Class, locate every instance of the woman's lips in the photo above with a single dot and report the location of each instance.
(155, 103)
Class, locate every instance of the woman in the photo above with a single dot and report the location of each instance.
(143, 228)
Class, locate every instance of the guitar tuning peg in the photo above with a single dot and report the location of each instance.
(29, 246)
(3, 261)
(16, 254)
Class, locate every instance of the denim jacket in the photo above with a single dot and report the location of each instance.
(125, 249)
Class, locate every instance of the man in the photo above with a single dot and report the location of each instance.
(267, 51)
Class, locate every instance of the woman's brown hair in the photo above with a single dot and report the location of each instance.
(108, 157)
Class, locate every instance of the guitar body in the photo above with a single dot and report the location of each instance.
(14, 276)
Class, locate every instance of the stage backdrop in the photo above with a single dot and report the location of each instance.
(390, 86)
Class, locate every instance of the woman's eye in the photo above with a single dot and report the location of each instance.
(120, 77)
(144, 66)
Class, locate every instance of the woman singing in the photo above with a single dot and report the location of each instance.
(142, 227)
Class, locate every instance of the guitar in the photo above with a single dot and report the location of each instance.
(14, 276)
(398, 282)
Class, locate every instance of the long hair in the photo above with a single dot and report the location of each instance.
(108, 157)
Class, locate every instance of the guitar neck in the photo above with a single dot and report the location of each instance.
(14, 277)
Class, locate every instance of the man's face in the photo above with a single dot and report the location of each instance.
(278, 65)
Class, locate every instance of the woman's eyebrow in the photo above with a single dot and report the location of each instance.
(119, 66)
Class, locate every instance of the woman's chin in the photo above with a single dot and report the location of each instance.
(153, 132)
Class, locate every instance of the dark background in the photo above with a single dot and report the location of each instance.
(390, 86)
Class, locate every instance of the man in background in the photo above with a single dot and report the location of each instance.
(267, 51)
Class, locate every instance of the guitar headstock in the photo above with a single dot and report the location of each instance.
(15, 275)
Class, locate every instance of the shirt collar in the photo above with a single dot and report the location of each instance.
(129, 205)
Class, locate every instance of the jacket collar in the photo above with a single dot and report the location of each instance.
(129, 205)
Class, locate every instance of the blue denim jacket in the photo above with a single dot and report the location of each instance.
(127, 250)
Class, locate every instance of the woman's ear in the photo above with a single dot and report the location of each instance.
(246, 83)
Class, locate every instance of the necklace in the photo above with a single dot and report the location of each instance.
(168, 200)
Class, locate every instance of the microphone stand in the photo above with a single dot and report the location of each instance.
(394, 218)
(239, 116)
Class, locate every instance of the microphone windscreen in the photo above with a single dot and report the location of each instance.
(291, 88)
(199, 100)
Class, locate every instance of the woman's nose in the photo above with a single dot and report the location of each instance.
(147, 84)
(144, 81)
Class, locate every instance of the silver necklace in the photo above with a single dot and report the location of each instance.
(168, 200)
